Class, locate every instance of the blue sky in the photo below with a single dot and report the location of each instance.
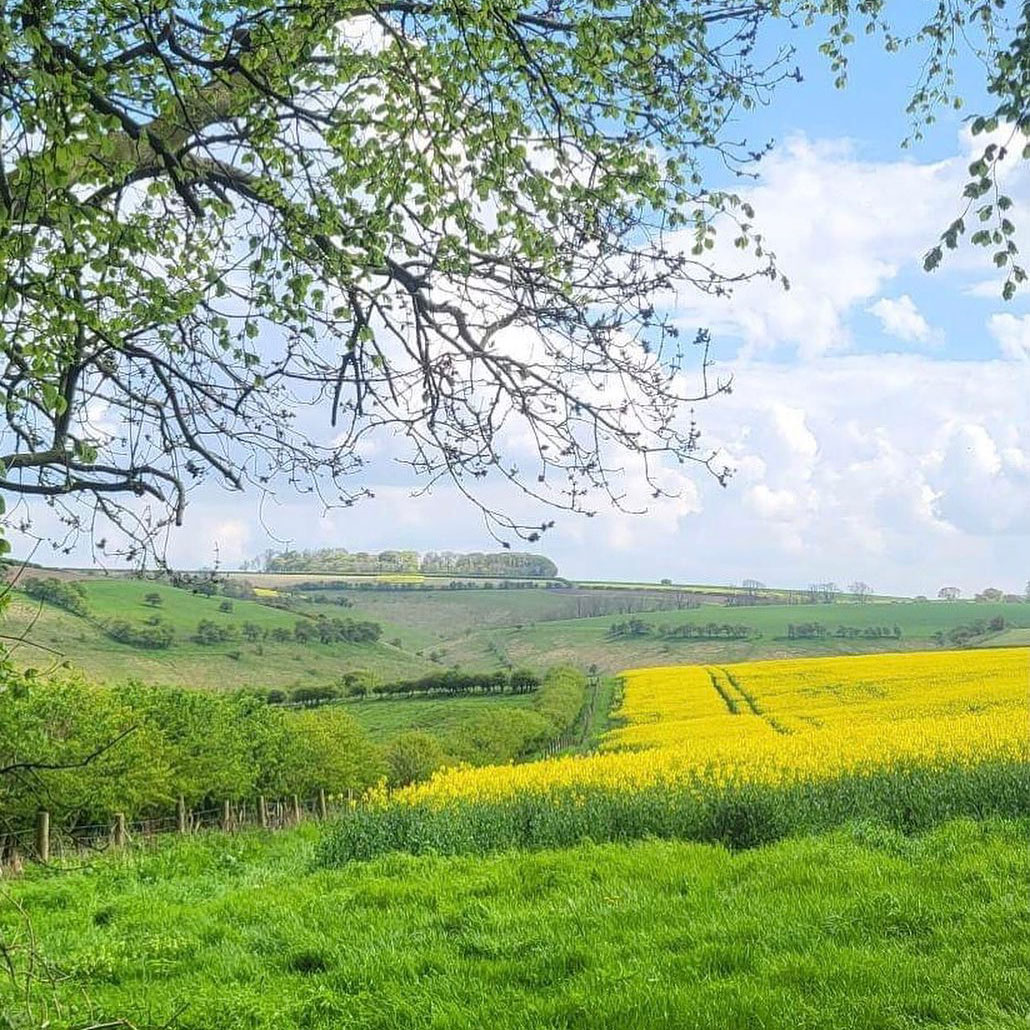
(880, 423)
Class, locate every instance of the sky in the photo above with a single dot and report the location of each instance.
(879, 423)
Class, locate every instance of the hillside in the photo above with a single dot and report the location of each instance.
(480, 628)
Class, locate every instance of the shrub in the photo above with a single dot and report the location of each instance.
(413, 757)
(70, 596)
(154, 634)
(209, 632)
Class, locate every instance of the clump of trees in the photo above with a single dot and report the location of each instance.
(451, 683)
(340, 561)
(503, 734)
(153, 634)
(446, 683)
(499, 564)
(320, 630)
(135, 749)
(210, 632)
(70, 596)
(959, 636)
(820, 631)
(868, 632)
(687, 631)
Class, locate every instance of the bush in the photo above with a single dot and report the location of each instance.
(69, 596)
(209, 632)
(413, 757)
(155, 634)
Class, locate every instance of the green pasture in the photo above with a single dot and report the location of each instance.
(384, 719)
(862, 928)
(587, 642)
(476, 629)
(52, 635)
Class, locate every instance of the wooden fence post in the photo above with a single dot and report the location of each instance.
(296, 810)
(263, 812)
(226, 816)
(119, 829)
(43, 835)
(323, 808)
(180, 815)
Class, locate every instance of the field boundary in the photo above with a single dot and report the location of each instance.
(46, 841)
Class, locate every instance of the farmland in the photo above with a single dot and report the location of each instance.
(744, 753)
(475, 628)
(773, 834)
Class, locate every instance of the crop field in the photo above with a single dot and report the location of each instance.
(909, 736)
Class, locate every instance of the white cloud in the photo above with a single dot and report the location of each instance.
(1012, 334)
(841, 228)
(902, 319)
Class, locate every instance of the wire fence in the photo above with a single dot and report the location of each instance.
(50, 840)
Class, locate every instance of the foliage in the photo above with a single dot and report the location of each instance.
(960, 636)
(264, 208)
(155, 634)
(502, 735)
(210, 632)
(412, 757)
(62, 594)
(337, 561)
(206, 747)
(503, 563)
(687, 631)
(328, 750)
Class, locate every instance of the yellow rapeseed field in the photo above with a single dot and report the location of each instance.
(780, 720)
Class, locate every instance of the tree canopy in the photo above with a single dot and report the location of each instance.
(233, 230)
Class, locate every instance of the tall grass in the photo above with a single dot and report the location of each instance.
(739, 815)
(862, 928)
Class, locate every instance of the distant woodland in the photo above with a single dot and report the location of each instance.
(433, 563)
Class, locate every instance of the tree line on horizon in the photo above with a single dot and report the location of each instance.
(340, 561)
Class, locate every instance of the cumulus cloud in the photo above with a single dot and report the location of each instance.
(902, 319)
(841, 228)
(1012, 334)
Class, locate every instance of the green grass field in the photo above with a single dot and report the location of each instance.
(53, 635)
(476, 629)
(858, 929)
(586, 641)
(383, 720)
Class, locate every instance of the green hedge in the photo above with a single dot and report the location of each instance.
(498, 735)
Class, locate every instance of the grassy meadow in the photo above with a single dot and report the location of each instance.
(862, 928)
(475, 629)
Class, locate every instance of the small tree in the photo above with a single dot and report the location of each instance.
(154, 599)
(225, 606)
(860, 591)
(949, 593)
(251, 631)
(412, 757)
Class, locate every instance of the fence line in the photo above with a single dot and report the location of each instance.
(47, 840)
